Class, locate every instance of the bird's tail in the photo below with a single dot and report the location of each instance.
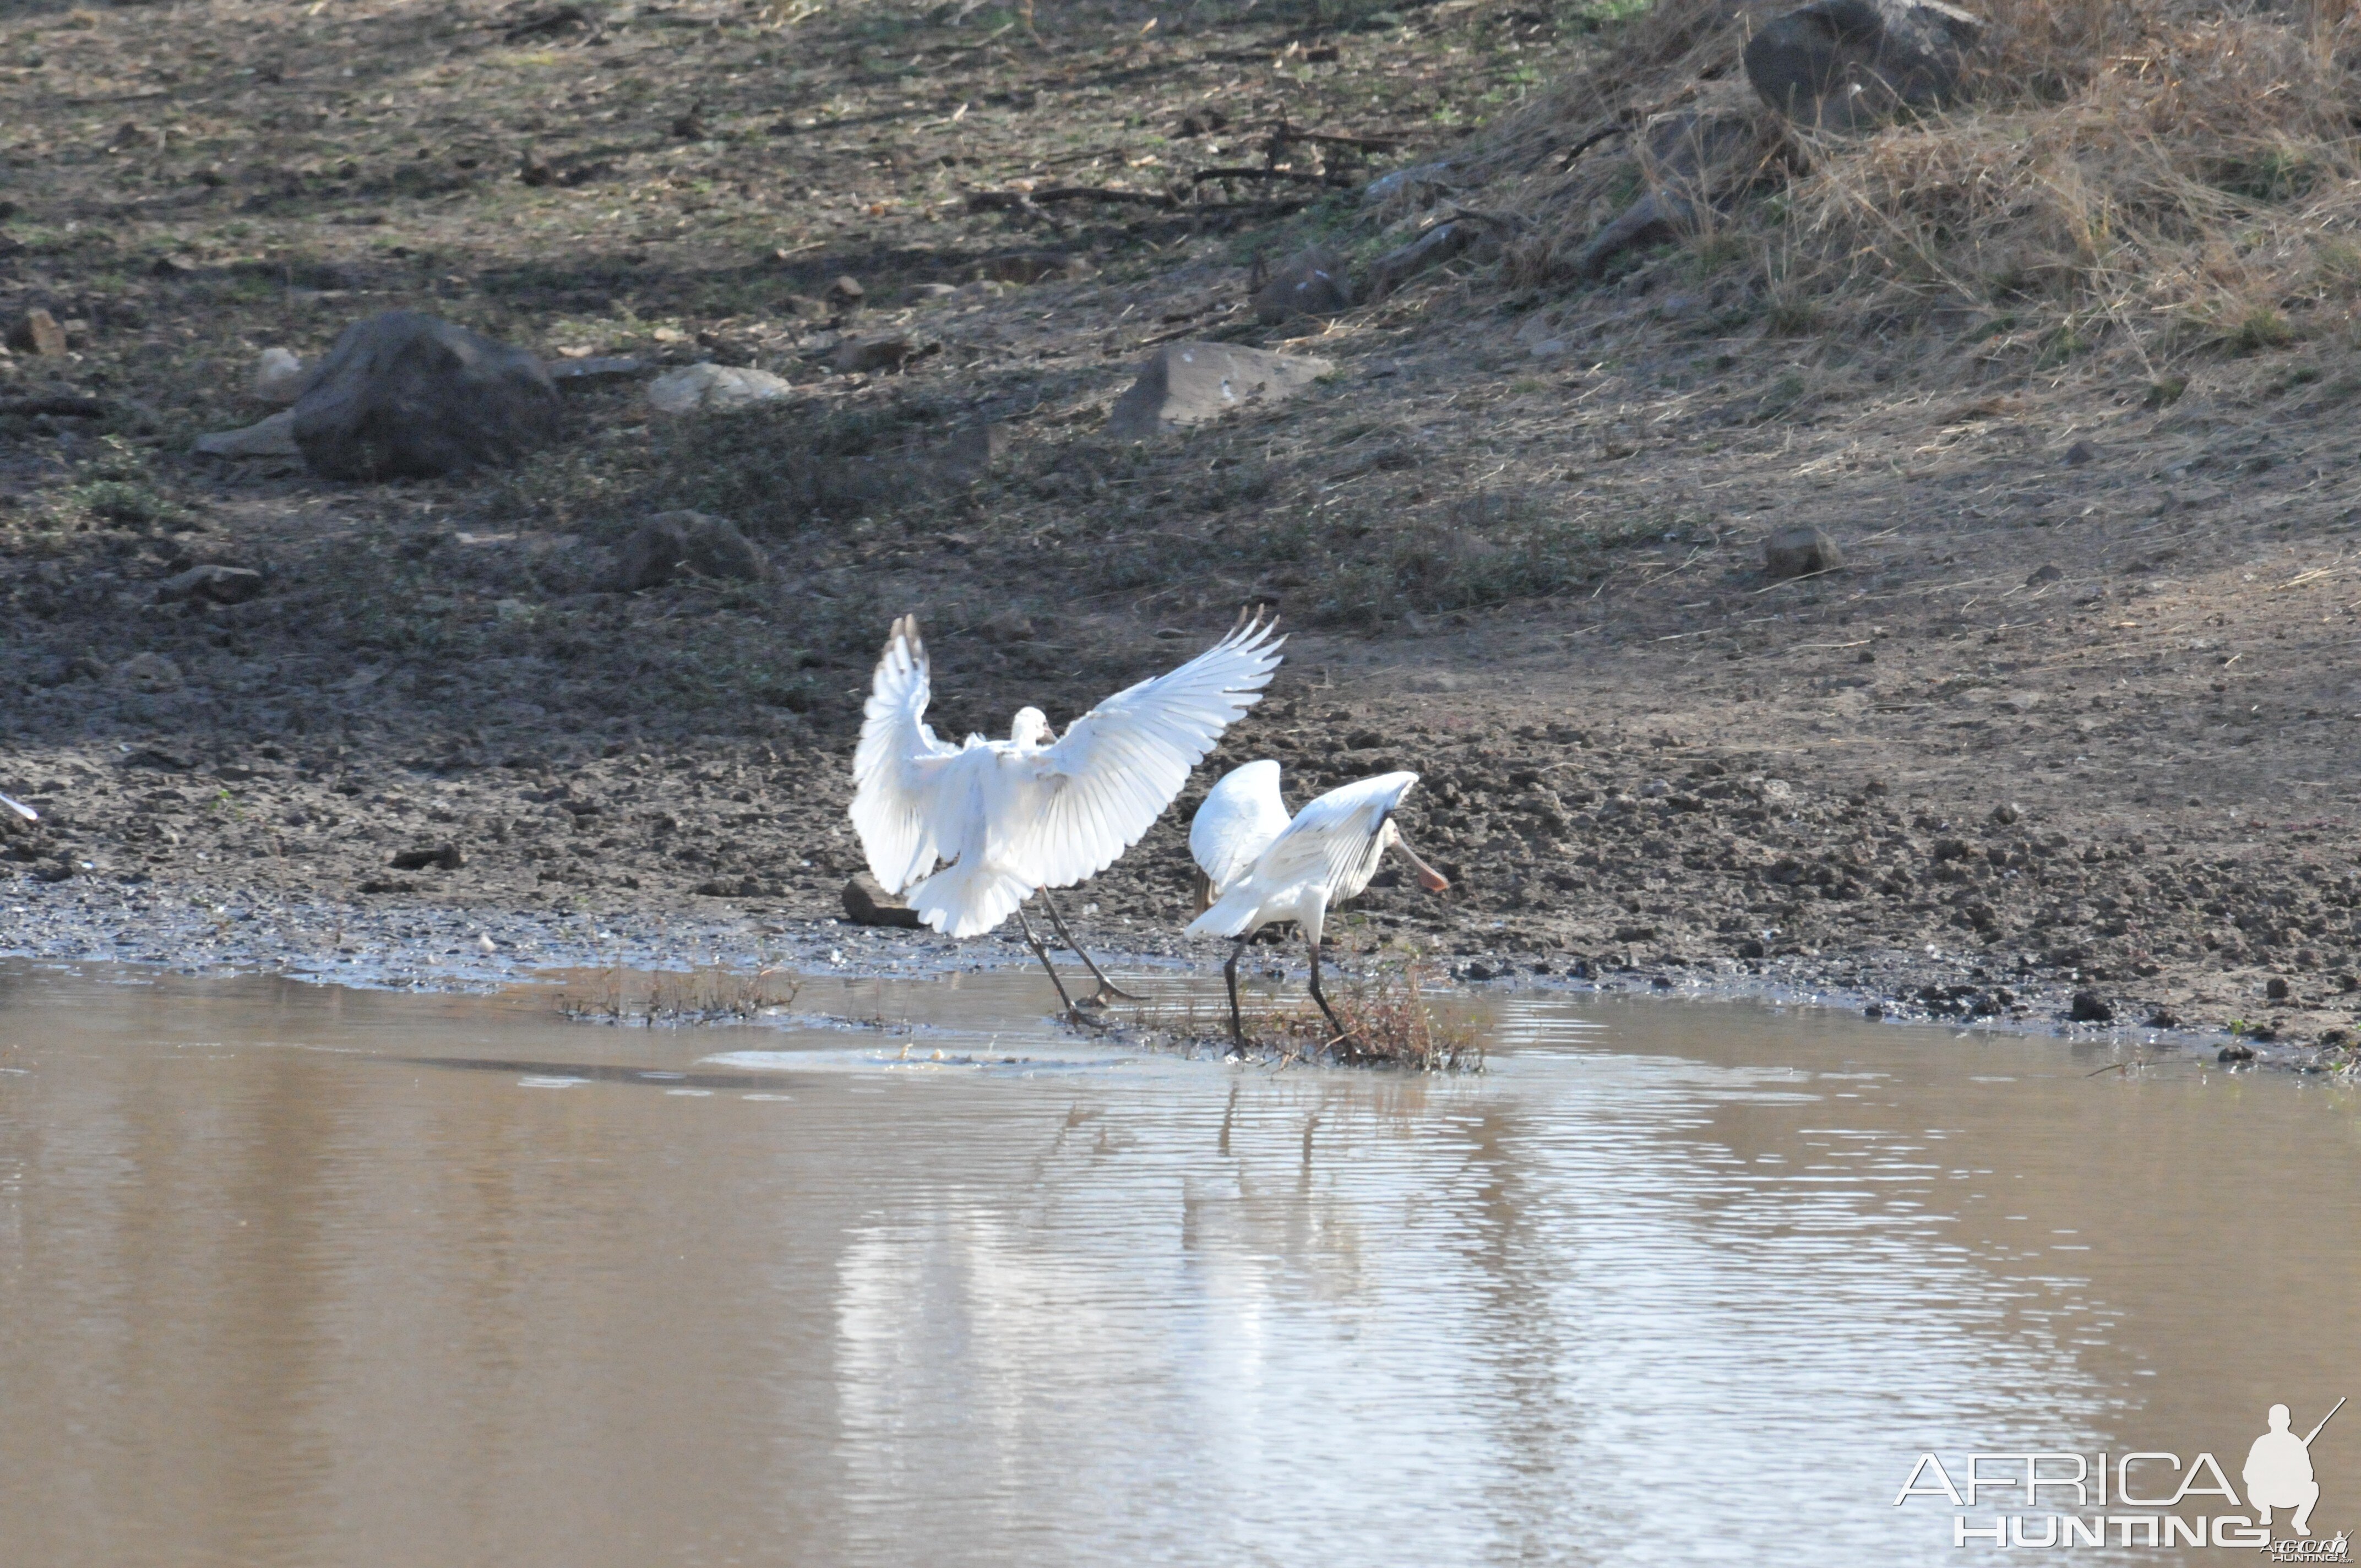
(967, 901)
(1203, 886)
(1232, 913)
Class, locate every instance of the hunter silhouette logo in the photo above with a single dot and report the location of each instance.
(2279, 1472)
(2138, 1499)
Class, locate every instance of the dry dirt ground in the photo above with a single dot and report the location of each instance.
(2075, 717)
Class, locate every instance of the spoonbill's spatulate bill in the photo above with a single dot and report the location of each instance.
(1326, 855)
(1008, 818)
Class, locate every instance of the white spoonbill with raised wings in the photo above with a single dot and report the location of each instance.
(1035, 811)
(1325, 855)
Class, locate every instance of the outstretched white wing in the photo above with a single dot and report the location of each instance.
(1088, 798)
(1333, 842)
(1239, 819)
(897, 765)
(1332, 845)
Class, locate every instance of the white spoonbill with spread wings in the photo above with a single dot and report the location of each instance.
(1325, 856)
(1033, 812)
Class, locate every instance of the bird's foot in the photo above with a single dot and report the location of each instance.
(1108, 994)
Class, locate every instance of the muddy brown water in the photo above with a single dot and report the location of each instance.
(297, 1274)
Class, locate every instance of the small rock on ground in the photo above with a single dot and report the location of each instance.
(148, 673)
(659, 549)
(2090, 1007)
(1313, 282)
(278, 377)
(886, 351)
(1799, 551)
(39, 333)
(868, 903)
(695, 387)
(213, 583)
(1189, 383)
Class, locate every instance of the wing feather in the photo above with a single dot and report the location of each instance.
(1118, 766)
(1332, 839)
(898, 766)
(1242, 817)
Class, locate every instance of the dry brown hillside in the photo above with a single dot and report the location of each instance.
(2068, 373)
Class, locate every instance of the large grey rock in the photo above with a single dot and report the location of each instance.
(406, 396)
(695, 387)
(1841, 65)
(1189, 383)
(673, 542)
(1310, 283)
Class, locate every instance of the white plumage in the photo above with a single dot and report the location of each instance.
(1011, 817)
(19, 808)
(1325, 856)
(1239, 818)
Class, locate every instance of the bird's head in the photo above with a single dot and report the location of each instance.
(1428, 877)
(1030, 728)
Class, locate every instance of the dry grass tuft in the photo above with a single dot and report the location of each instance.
(2155, 177)
(1389, 1022)
(709, 994)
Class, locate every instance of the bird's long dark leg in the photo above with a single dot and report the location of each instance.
(1043, 954)
(1108, 991)
(1230, 975)
(1329, 1012)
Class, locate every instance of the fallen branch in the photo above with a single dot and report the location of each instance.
(1017, 201)
(1279, 207)
(1282, 133)
(57, 408)
(1288, 175)
(1596, 134)
(555, 21)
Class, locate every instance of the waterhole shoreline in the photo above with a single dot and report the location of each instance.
(438, 948)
